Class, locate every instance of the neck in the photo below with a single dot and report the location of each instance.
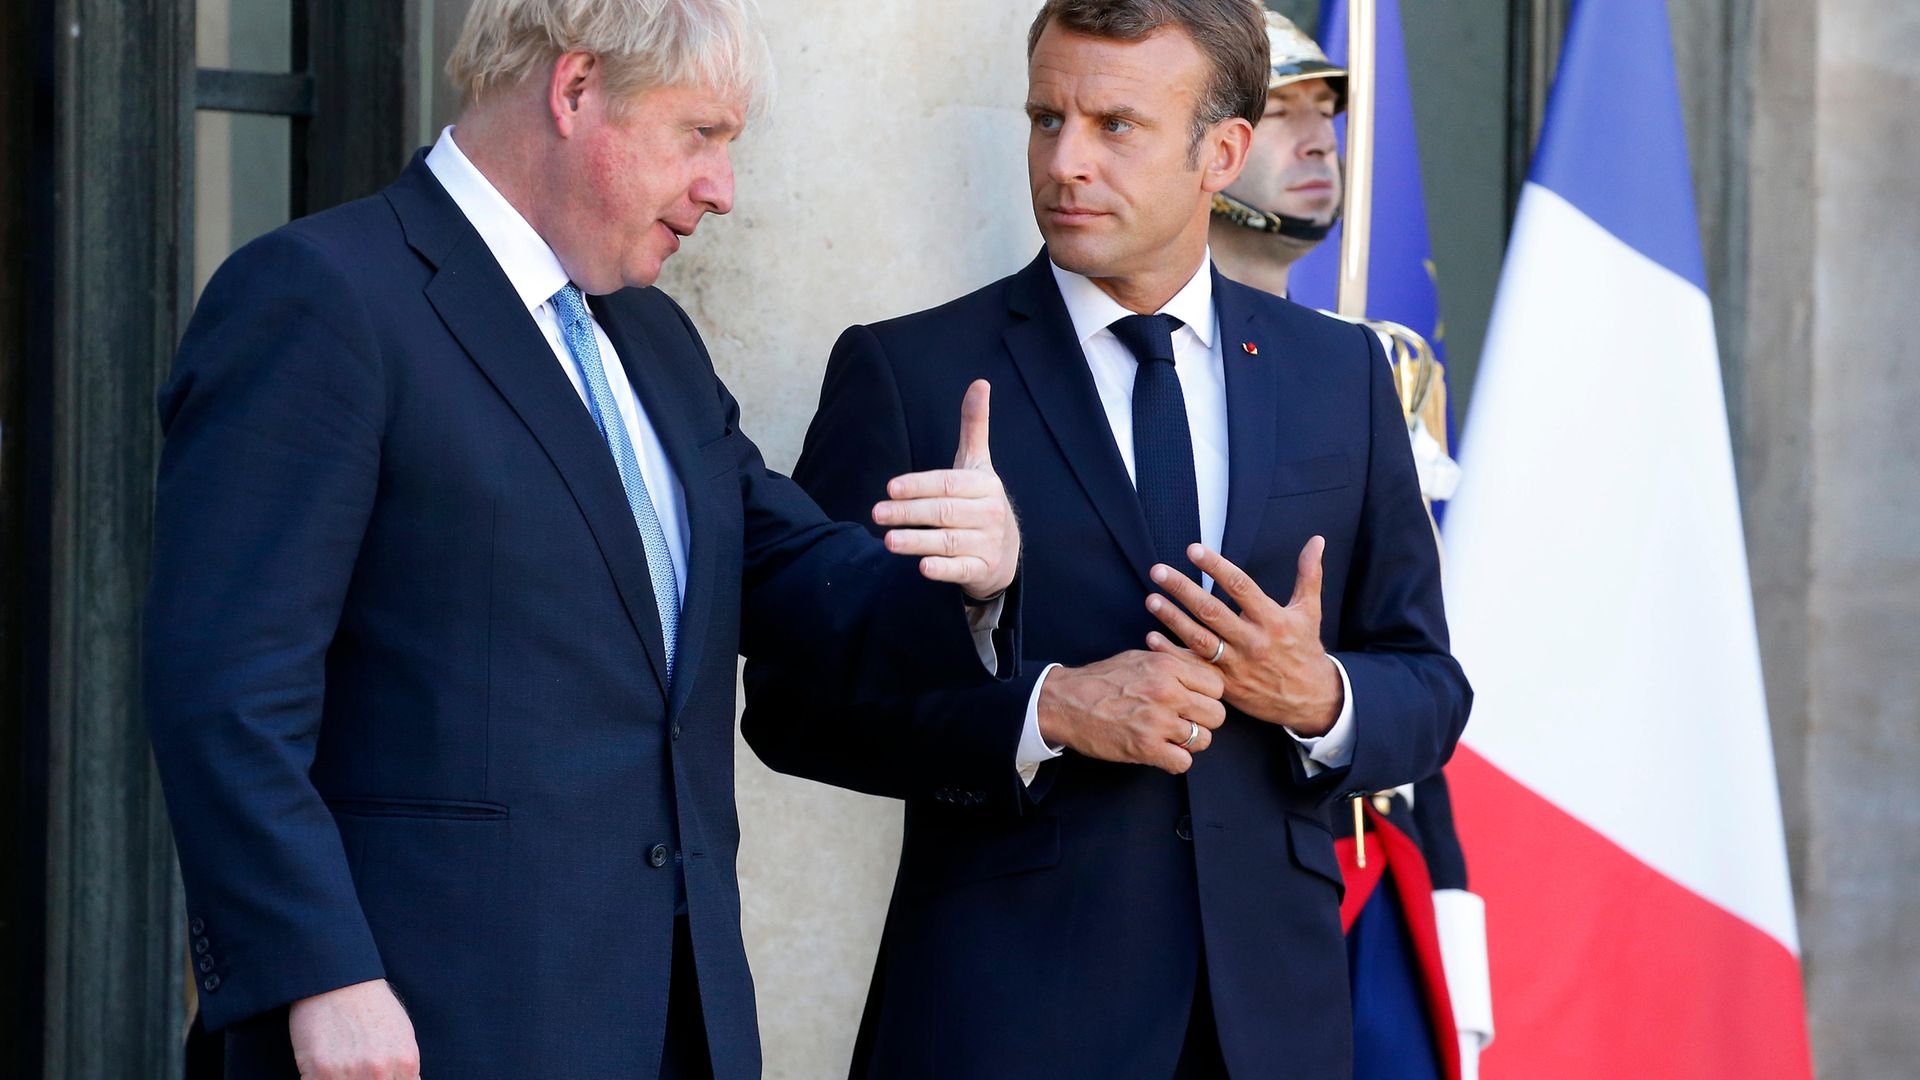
(1250, 257)
(504, 150)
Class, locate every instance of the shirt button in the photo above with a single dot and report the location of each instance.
(1184, 827)
(658, 856)
(210, 984)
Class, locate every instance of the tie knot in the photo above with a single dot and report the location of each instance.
(1147, 337)
(569, 304)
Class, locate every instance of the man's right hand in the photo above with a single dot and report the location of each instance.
(1137, 707)
(357, 1032)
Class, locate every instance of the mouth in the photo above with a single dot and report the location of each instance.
(1313, 186)
(1074, 215)
(674, 233)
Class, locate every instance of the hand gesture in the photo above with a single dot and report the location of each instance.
(957, 520)
(1270, 654)
(1138, 707)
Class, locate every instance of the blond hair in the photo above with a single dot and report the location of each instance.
(642, 43)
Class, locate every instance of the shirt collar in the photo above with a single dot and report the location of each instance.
(531, 266)
(1092, 310)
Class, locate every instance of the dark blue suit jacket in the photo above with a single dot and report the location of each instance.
(404, 668)
(1059, 930)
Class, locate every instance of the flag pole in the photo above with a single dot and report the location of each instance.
(1356, 236)
(1356, 230)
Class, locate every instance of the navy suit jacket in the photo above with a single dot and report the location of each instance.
(1059, 930)
(404, 669)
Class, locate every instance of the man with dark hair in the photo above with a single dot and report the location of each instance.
(1061, 910)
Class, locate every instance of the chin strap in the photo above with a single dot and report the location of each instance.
(1293, 228)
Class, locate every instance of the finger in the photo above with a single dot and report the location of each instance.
(1208, 712)
(960, 570)
(1234, 581)
(941, 513)
(951, 543)
(1306, 584)
(1198, 639)
(1195, 672)
(974, 453)
(1202, 738)
(1170, 758)
(1201, 604)
(944, 484)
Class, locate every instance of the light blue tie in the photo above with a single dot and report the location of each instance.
(576, 326)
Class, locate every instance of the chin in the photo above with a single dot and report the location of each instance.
(1076, 253)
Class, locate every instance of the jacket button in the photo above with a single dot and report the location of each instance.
(210, 984)
(197, 927)
(658, 856)
(201, 945)
(676, 729)
(1383, 803)
(1184, 827)
(206, 964)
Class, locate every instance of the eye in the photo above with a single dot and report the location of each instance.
(1046, 122)
(1117, 126)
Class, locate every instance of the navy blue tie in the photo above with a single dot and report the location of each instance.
(1162, 442)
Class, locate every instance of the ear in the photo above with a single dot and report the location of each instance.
(1226, 148)
(575, 75)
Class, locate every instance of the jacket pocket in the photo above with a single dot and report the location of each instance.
(1303, 477)
(1312, 848)
(947, 859)
(430, 809)
(722, 455)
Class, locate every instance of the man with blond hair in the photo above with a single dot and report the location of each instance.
(456, 541)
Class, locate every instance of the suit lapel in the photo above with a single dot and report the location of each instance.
(1054, 368)
(473, 297)
(663, 390)
(1253, 404)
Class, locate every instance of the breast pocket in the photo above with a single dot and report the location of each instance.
(723, 455)
(1325, 473)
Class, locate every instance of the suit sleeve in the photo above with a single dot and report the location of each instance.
(273, 422)
(828, 597)
(1410, 696)
(901, 731)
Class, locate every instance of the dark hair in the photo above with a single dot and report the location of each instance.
(1231, 34)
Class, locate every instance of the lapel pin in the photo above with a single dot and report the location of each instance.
(1251, 348)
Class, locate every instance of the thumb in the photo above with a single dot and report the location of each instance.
(1306, 583)
(974, 452)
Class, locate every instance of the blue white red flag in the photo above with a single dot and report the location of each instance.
(1617, 780)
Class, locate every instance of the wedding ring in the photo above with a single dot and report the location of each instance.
(1191, 735)
(1219, 651)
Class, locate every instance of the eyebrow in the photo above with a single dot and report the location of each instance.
(1118, 112)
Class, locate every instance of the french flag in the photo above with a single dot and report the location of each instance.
(1616, 787)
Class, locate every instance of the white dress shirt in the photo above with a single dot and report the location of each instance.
(536, 274)
(1203, 382)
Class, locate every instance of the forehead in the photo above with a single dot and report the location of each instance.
(1074, 70)
(1309, 91)
(680, 101)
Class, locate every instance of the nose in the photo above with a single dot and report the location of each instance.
(713, 187)
(1320, 141)
(1066, 158)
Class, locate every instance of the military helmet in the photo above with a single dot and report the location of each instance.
(1296, 58)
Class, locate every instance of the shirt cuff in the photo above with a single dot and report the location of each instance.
(983, 621)
(1334, 749)
(1034, 750)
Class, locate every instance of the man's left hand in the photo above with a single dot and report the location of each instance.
(1275, 666)
(957, 520)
